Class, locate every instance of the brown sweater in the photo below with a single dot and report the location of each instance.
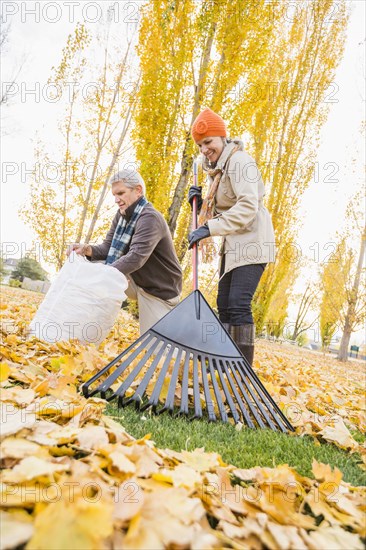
(150, 260)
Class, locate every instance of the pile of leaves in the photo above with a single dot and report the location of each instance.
(321, 396)
(73, 478)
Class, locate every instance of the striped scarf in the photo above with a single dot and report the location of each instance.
(123, 233)
(208, 205)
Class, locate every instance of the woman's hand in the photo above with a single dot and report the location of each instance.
(195, 191)
(79, 248)
(197, 235)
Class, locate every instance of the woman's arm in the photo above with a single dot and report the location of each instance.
(244, 178)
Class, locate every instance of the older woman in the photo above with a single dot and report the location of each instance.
(234, 210)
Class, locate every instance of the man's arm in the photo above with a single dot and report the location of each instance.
(100, 251)
(148, 233)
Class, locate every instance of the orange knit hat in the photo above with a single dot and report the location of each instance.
(208, 124)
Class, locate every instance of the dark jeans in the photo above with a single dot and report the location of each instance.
(236, 291)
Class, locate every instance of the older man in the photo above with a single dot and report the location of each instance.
(139, 244)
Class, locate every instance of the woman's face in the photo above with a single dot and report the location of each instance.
(211, 147)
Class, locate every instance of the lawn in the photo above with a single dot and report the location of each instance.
(245, 448)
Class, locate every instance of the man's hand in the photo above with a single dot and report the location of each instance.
(195, 191)
(197, 235)
(79, 248)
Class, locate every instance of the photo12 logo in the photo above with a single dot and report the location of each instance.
(52, 92)
(87, 12)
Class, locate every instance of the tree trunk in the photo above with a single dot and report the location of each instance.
(350, 316)
(180, 189)
(187, 159)
(344, 345)
(111, 166)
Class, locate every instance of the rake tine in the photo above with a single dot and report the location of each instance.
(245, 394)
(228, 396)
(263, 393)
(253, 391)
(257, 388)
(184, 399)
(105, 386)
(87, 384)
(216, 389)
(237, 396)
(196, 389)
(154, 398)
(169, 402)
(139, 393)
(120, 392)
(206, 390)
(262, 389)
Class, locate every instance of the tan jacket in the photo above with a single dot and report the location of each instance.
(240, 215)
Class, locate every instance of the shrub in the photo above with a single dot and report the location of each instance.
(15, 283)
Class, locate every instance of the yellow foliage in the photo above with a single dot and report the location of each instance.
(290, 93)
(334, 281)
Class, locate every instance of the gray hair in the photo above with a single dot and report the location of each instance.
(130, 177)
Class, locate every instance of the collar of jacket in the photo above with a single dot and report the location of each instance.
(224, 155)
(130, 210)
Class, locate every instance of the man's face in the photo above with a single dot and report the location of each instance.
(125, 196)
(211, 147)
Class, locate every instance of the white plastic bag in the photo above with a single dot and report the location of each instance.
(83, 302)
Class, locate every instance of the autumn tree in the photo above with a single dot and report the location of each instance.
(52, 202)
(8, 87)
(293, 93)
(191, 55)
(343, 280)
(10, 73)
(307, 303)
(29, 267)
(355, 285)
(267, 72)
(355, 311)
(344, 296)
(94, 131)
(108, 118)
(195, 54)
(277, 314)
(333, 277)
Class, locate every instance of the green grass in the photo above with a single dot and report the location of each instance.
(243, 449)
(358, 436)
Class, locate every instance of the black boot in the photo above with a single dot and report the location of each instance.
(243, 336)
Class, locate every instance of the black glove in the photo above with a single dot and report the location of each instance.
(195, 191)
(197, 235)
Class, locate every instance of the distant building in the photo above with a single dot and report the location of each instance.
(36, 286)
(10, 265)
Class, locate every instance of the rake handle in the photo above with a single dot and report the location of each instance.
(194, 226)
